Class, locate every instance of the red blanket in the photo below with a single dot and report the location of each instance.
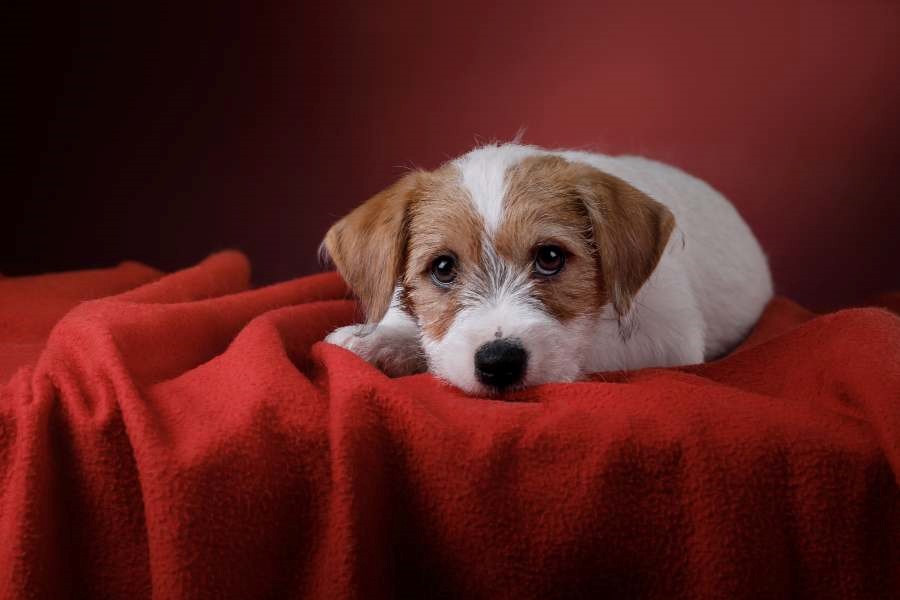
(192, 438)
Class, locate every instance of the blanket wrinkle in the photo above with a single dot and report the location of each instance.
(187, 436)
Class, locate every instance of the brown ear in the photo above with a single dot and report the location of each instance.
(630, 230)
(368, 246)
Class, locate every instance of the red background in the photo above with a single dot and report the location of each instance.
(167, 134)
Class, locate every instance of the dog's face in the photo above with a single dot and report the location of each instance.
(505, 258)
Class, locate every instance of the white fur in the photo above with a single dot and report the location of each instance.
(708, 289)
(483, 173)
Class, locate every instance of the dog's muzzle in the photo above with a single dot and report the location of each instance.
(501, 363)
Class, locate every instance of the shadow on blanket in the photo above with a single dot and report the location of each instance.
(185, 436)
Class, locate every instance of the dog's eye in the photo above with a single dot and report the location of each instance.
(549, 260)
(443, 270)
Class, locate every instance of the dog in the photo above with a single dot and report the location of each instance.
(513, 265)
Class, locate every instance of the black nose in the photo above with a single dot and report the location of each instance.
(500, 363)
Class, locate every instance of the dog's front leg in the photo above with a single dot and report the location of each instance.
(392, 345)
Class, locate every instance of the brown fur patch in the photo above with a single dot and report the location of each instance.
(613, 233)
(442, 222)
(541, 208)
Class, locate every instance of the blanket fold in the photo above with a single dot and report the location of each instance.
(187, 436)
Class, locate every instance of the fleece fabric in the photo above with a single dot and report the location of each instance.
(186, 436)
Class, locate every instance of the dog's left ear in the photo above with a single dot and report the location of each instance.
(630, 231)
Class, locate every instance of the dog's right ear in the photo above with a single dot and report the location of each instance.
(368, 246)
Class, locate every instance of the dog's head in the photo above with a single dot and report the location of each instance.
(505, 257)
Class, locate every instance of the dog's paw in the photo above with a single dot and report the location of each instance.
(393, 349)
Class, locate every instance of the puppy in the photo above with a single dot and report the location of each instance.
(513, 265)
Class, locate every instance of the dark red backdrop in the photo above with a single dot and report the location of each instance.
(163, 135)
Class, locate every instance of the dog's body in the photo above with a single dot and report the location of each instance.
(514, 265)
